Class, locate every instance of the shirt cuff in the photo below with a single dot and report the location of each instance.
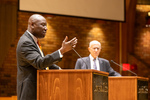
(60, 54)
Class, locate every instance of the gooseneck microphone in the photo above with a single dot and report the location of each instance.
(125, 68)
(80, 57)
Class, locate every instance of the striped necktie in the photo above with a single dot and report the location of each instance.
(94, 65)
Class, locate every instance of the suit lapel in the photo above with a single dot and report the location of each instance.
(88, 62)
(27, 34)
(101, 64)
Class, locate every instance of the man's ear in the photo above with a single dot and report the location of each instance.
(32, 23)
(89, 49)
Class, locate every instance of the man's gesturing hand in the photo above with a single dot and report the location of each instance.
(68, 45)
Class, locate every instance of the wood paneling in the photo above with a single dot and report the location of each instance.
(127, 30)
(124, 88)
(9, 98)
(65, 84)
(8, 27)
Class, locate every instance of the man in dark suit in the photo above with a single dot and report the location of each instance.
(94, 62)
(30, 57)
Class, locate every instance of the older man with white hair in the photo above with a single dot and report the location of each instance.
(94, 62)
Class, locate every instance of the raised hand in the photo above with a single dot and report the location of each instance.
(68, 45)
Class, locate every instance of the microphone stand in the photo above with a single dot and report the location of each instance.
(122, 67)
(79, 56)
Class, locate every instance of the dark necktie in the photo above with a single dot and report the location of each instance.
(94, 65)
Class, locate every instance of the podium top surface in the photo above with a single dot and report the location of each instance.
(74, 71)
(129, 77)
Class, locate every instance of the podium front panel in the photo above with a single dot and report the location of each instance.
(71, 85)
(128, 88)
(142, 90)
(100, 87)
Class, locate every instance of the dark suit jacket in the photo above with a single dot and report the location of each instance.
(29, 59)
(104, 65)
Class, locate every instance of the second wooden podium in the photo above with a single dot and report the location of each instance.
(128, 88)
(72, 85)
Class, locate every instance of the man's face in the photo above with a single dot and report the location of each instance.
(39, 28)
(94, 50)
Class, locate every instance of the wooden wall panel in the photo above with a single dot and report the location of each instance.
(8, 27)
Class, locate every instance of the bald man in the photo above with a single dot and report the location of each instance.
(30, 58)
(94, 62)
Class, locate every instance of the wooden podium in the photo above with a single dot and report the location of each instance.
(72, 85)
(128, 88)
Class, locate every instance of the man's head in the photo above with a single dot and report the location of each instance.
(37, 25)
(94, 48)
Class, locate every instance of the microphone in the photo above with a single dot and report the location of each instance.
(125, 68)
(80, 57)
